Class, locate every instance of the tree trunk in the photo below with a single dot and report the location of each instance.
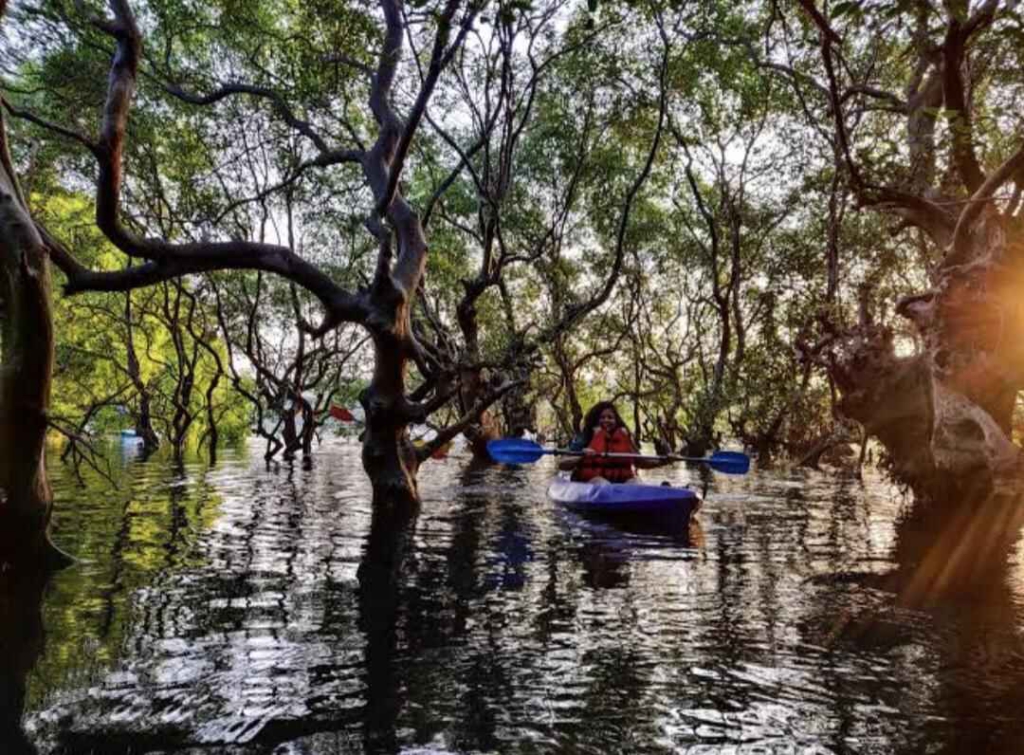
(308, 430)
(144, 424)
(697, 445)
(144, 418)
(518, 410)
(26, 363)
(389, 457)
(487, 428)
(944, 414)
(289, 432)
(473, 384)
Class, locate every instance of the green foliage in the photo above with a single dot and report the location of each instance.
(714, 294)
(91, 361)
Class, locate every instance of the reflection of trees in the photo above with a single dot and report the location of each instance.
(380, 575)
(502, 550)
(209, 646)
(959, 551)
(455, 610)
(603, 566)
(949, 605)
(131, 541)
(21, 642)
(482, 620)
(955, 561)
(737, 662)
(151, 540)
(555, 611)
(615, 700)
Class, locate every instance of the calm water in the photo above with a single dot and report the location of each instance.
(236, 609)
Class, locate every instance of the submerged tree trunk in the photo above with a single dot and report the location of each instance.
(290, 431)
(26, 352)
(144, 424)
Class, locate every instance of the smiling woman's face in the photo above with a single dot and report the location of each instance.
(607, 420)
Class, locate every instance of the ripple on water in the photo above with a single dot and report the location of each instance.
(236, 607)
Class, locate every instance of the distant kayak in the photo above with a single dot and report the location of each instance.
(625, 500)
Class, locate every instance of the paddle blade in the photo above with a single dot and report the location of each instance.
(514, 451)
(341, 414)
(730, 462)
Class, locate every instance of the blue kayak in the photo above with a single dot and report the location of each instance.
(624, 500)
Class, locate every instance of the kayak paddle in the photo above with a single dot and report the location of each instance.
(522, 451)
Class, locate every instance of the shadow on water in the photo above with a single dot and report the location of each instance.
(960, 561)
(380, 596)
(608, 550)
(956, 586)
(21, 643)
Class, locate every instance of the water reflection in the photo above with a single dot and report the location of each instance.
(954, 562)
(251, 609)
(384, 566)
(21, 643)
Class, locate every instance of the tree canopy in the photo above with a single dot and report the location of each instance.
(486, 216)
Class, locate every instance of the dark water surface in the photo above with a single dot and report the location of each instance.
(236, 609)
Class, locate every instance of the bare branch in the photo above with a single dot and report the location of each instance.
(276, 100)
(466, 420)
(956, 106)
(439, 58)
(42, 123)
(828, 37)
(339, 57)
(959, 249)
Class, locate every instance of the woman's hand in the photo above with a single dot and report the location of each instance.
(588, 451)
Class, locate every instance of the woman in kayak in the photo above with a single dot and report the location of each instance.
(604, 432)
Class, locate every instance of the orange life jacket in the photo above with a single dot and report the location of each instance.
(613, 470)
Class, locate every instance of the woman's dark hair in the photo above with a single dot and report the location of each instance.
(590, 421)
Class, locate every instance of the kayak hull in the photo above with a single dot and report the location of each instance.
(628, 501)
